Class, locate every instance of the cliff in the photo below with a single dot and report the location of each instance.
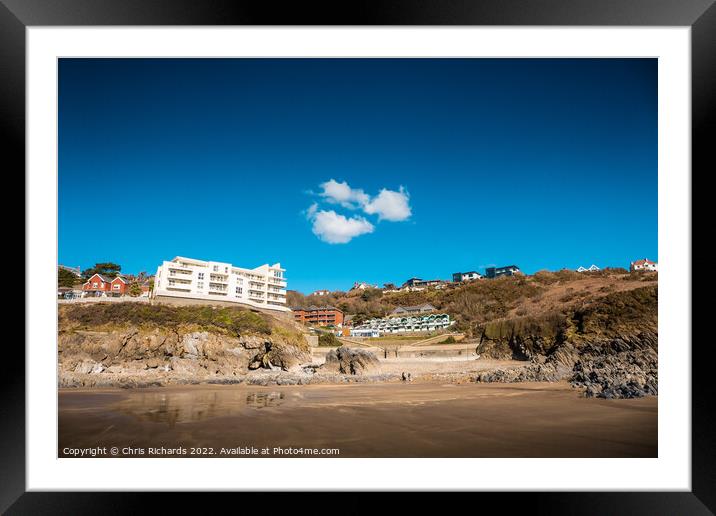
(608, 346)
(132, 344)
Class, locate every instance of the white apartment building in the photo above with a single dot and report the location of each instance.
(262, 287)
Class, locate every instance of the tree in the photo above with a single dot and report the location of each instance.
(109, 269)
(66, 278)
(135, 290)
(371, 293)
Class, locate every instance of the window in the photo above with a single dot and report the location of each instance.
(239, 290)
(201, 275)
(94, 284)
(216, 268)
(200, 284)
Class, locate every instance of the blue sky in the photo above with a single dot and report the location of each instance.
(358, 169)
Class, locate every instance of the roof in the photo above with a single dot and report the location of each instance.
(643, 262)
(100, 277)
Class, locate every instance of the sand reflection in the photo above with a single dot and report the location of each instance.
(184, 407)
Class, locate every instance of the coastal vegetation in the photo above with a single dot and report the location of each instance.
(475, 304)
(235, 320)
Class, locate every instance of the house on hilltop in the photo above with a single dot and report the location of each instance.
(643, 265)
(592, 268)
(362, 285)
(459, 277)
(496, 272)
(417, 284)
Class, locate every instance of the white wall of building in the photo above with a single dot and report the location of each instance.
(262, 287)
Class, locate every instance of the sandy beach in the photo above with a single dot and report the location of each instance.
(366, 420)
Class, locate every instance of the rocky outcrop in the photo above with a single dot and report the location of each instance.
(352, 361)
(135, 355)
(618, 368)
(608, 348)
(623, 373)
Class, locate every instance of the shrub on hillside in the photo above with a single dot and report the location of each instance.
(232, 319)
(637, 308)
(568, 275)
(545, 277)
(328, 339)
(370, 294)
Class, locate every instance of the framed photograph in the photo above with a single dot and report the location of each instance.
(419, 249)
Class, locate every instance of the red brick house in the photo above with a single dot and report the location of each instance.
(99, 285)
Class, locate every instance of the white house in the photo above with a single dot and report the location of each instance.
(262, 287)
(643, 265)
(458, 277)
(362, 285)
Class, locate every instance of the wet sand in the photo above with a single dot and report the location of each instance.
(365, 420)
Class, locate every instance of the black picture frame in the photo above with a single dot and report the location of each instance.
(700, 15)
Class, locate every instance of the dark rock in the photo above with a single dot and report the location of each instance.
(350, 361)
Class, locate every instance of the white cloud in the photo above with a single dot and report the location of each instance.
(341, 193)
(390, 205)
(311, 211)
(333, 228)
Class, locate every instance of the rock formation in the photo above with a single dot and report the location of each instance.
(352, 361)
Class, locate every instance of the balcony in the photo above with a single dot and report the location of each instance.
(186, 287)
(181, 268)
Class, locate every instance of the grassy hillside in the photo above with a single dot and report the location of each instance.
(234, 321)
(483, 301)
